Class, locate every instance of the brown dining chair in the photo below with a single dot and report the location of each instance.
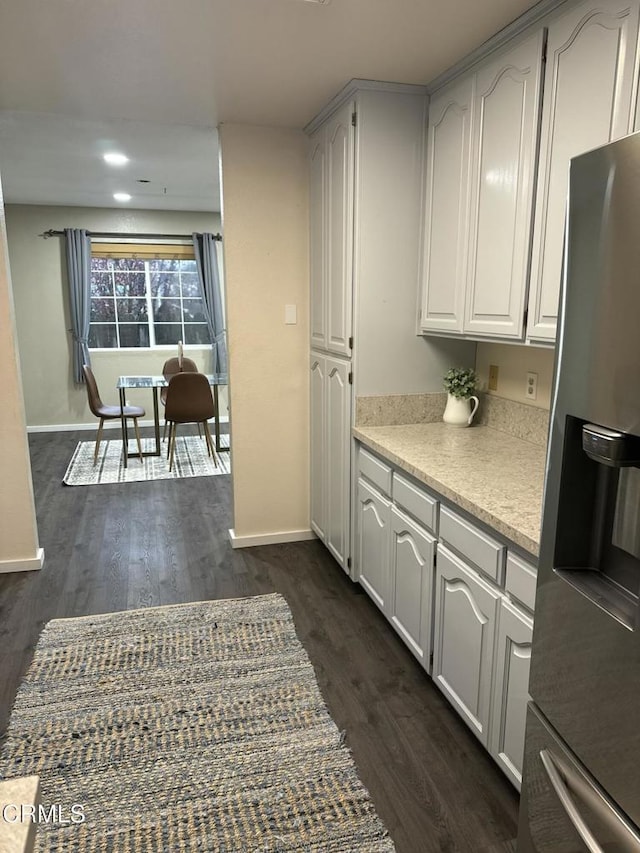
(169, 369)
(109, 413)
(189, 401)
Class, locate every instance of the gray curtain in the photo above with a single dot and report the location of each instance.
(207, 260)
(78, 247)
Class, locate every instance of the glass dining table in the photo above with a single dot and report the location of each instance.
(126, 383)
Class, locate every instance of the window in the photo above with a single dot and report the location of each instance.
(145, 296)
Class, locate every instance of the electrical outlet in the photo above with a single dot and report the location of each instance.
(493, 377)
(532, 386)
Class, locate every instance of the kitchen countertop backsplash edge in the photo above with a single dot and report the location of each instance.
(520, 420)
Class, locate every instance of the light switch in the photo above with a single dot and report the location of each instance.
(290, 315)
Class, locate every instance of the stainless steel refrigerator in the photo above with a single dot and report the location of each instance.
(581, 785)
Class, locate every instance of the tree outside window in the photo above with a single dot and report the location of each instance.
(142, 302)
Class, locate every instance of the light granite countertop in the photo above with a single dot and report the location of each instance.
(490, 474)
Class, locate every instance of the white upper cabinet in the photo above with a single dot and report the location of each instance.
(505, 129)
(481, 157)
(446, 231)
(317, 231)
(331, 232)
(340, 151)
(495, 202)
(589, 100)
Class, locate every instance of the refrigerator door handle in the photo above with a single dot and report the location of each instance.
(566, 782)
(567, 803)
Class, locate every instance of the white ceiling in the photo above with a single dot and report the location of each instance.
(153, 78)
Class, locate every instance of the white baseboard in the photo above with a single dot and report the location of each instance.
(94, 426)
(270, 538)
(29, 565)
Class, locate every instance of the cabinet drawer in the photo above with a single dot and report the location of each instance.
(375, 471)
(520, 581)
(483, 551)
(416, 502)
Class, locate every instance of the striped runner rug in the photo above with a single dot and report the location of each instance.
(190, 460)
(182, 728)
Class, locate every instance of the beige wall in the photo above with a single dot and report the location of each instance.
(514, 362)
(42, 308)
(18, 533)
(265, 221)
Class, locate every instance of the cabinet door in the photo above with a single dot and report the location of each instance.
(337, 458)
(589, 99)
(510, 690)
(317, 238)
(340, 189)
(374, 516)
(446, 231)
(465, 620)
(505, 132)
(412, 575)
(318, 448)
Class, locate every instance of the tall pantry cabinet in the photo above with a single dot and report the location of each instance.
(331, 256)
(365, 165)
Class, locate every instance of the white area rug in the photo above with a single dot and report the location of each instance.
(190, 460)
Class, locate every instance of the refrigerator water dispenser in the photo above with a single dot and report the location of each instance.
(597, 546)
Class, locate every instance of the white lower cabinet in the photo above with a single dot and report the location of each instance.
(395, 554)
(465, 622)
(331, 453)
(338, 458)
(510, 689)
(411, 573)
(319, 464)
(460, 599)
(373, 526)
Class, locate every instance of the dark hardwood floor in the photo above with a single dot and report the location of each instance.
(116, 547)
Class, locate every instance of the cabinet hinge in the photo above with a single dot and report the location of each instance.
(353, 118)
(435, 559)
(350, 378)
(525, 319)
(351, 342)
(431, 658)
(348, 562)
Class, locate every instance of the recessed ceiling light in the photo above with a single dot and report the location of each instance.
(122, 196)
(114, 158)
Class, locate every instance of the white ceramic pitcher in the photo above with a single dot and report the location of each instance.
(459, 412)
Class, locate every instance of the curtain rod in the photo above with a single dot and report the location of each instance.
(128, 235)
